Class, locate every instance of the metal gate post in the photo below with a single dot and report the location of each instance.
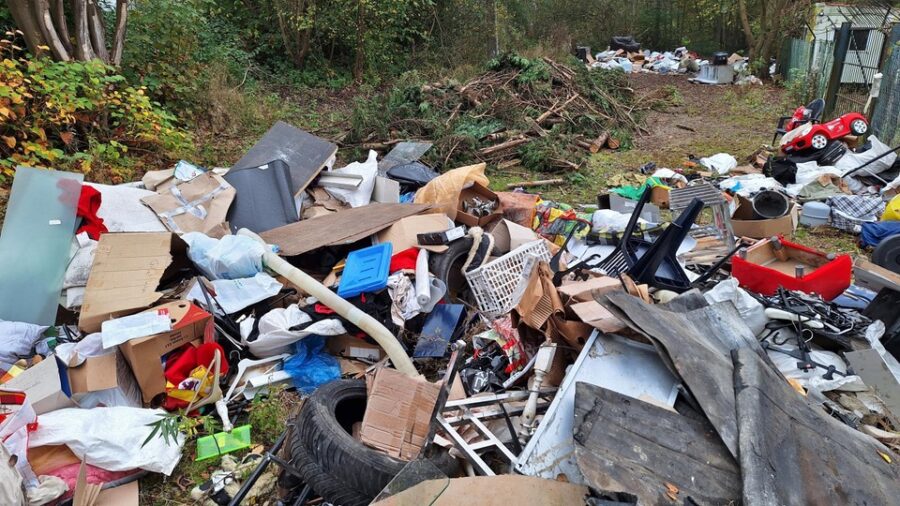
(841, 45)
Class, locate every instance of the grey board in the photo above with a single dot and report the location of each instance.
(304, 153)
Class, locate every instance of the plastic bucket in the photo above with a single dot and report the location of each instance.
(769, 204)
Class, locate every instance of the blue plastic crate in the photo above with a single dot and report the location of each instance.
(366, 270)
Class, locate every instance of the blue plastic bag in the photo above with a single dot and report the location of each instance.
(311, 366)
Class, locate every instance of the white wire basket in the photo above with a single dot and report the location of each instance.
(499, 284)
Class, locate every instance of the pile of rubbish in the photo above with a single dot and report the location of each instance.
(625, 54)
(448, 342)
(538, 113)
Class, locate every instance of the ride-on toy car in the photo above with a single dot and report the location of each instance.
(803, 131)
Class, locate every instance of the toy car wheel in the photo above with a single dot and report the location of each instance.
(819, 141)
(859, 127)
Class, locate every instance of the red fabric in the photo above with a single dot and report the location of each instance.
(829, 280)
(88, 206)
(405, 260)
(181, 362)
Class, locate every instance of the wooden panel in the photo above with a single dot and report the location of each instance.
(626, 445)
(342, 227)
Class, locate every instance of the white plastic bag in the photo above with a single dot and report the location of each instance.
(110, 438)
(813, 378)
(275, 336)
(231, 257)
(362, 195)
(752, 312)
(722, 163)
(853, 160)
(236, 294)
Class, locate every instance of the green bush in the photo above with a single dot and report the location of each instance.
(78, 116)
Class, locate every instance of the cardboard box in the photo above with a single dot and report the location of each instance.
(477, 190)
(348, 346)
(200, 205)
(403, 234)
(398, 413)
(597, 316)
(103, 380)
(46, 385)
(127, 270)
(190, 324)
(874, 277)
(744, 225)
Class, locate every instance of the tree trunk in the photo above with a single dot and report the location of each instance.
(359, 64)
(83, 49)
(748, 30)
(58, 10)
(97, 31)
(26, 23)
(118, 46)
(41, 9)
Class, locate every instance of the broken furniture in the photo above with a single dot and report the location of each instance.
(653, 263)
(681, 198)
(775, 262)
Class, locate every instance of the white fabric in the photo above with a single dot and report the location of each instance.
(110, 438)
(17, 339)
(404, 304)
(231, 257)
(362, 195)
(275, 336)
(122, 210)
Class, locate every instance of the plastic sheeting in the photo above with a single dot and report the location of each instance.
(110, 438)
(750, 309)
(122, 210)
(17, 339)
(311, 366)
(722, 163)
(362, 195)
(236, 294)
(231, 257)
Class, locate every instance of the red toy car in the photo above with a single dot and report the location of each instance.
(803, 131)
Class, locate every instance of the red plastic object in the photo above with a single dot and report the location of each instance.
(817, 135)
(829, 280)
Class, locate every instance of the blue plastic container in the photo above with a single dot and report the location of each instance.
(366, 270)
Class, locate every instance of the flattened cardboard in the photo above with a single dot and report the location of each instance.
(403, 234)
(348, 346)
(126, 272)
(584, 291)
(304, 153)
(46, 385)
(502, 490)
(509, 236)
(190, 324)
(744, 225)
(484, 193)
(398, 413)
(597, 316)
(198, 205)
(343, 227)
(123, 495)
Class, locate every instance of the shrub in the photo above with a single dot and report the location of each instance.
(77, 116)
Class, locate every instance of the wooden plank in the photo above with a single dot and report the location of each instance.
(627, 445)
(343, 227)
(794, 454)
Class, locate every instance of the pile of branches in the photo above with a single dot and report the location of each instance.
(539, 113)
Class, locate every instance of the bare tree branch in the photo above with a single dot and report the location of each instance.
(41, 10)
(58, 11)
(83, 49)
(97, 31)
(25, 21)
